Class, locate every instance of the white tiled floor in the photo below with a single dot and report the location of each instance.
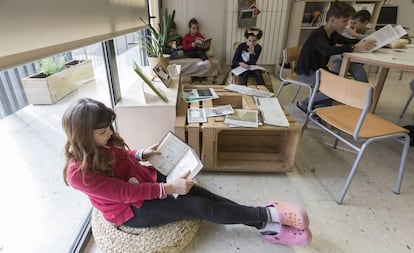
(371, 219)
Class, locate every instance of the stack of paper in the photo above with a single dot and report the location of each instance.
(272, 112)
(248, 91)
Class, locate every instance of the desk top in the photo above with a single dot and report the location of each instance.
(401, 59)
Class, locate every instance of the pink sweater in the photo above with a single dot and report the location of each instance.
(131, 184)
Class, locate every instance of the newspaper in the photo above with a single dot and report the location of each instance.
(248, 91)
(193, 95)
(386, 35)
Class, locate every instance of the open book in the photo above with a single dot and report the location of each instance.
(203, 43)
(237, 71)
(176, 158)
(386, 35)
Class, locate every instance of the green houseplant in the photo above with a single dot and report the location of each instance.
(156, 40)
(56, 79)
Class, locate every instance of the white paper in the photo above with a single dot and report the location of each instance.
(248, 91)
(237, 71)
(386, 35)
(218, 110)
(271, 111)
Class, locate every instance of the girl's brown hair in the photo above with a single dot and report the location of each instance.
(79, 121)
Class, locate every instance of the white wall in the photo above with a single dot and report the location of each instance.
(405, 14)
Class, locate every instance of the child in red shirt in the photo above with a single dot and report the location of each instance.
(189, 45)
(99, 164)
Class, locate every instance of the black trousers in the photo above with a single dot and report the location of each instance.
(201, 204)
(197, 53)
(257, 73)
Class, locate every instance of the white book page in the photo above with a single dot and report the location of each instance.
(189, 162)
(237, 71)
(171, 149)
(248, 91)
(385, 35)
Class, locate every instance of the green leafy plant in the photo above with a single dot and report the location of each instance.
(156, 40)
(52, 65)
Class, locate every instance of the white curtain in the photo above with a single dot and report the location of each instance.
(34, 29)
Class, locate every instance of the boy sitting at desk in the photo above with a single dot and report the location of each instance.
(324, 42)
(357, 29)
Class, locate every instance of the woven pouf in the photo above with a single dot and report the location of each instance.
(168, 238)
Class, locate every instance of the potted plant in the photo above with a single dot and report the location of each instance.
(56, 79)
(156, 40)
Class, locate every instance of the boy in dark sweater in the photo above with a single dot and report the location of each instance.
(324, 42)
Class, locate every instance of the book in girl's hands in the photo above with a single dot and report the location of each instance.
(203, 43)
(175, 158)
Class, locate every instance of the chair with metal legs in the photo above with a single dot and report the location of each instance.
(352, 117)
(409, 99)
(290, 56)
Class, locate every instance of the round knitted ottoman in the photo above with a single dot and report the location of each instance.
(168, 238)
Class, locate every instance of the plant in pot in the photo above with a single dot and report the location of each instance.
(156, 40)
(56, 79)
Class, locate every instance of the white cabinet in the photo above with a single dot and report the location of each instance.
(142, 117)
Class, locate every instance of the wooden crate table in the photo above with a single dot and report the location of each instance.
(222, 148)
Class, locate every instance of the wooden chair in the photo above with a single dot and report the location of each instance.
(352, 117)
(290, 56)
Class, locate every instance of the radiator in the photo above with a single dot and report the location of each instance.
(272, 21)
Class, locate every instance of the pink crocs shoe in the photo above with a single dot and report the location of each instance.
(290, 215)
(289, 236)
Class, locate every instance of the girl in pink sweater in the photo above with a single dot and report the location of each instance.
(100, 164)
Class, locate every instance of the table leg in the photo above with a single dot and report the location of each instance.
(344, 66)
(382, 76)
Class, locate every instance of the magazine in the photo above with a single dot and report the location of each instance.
(158, 92)
(218, 110)
(196, 115)
(193, 95)
(386, 35)
(162, 75)
(243, 118)
(203, 43)
(271, 112)
(248, 91)
(176, 158)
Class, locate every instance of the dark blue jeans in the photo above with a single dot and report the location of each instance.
(197, 53)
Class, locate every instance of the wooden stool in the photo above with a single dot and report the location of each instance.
(171, 238)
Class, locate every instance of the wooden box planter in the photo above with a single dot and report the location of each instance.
(47, 90)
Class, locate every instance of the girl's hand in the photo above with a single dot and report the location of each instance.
(181, 185)
(244, 65)
(152, 150)
(251, 49)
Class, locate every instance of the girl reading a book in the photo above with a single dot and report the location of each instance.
(247, 54)
(191, 47)
(100, 164)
